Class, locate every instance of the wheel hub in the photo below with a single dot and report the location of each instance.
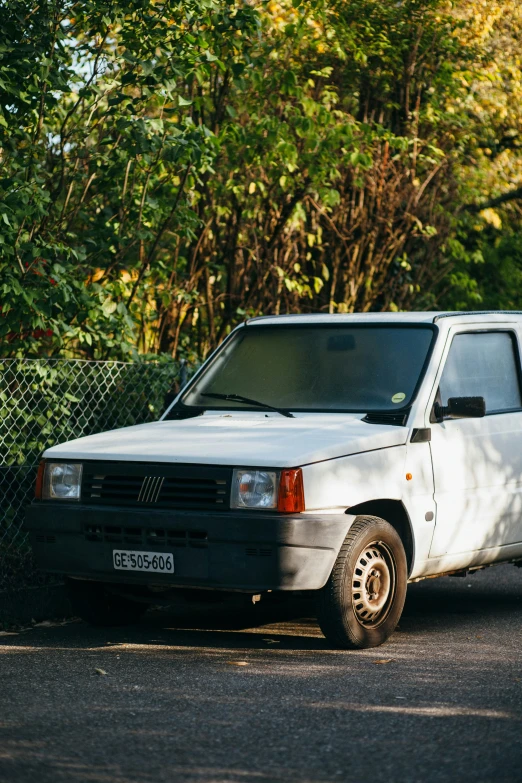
(373, 584)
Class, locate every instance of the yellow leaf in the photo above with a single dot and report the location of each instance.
(492, 217)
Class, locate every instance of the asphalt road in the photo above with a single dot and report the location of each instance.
(441, 701)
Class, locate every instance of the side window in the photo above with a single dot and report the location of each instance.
(483, 364)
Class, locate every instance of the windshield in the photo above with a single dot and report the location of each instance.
(317, 368)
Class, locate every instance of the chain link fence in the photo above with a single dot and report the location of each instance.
(49, 401)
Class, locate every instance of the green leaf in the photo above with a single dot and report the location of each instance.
(109, 307)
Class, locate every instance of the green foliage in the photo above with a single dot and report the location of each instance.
(100, 149)
(169, 168)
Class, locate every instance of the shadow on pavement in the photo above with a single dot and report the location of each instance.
(288, 622)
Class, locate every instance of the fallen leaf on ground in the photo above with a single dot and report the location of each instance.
(100, 671)
(237, 663)
(384, 660)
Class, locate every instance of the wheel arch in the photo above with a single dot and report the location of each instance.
(394, 512)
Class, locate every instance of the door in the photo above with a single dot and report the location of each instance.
(477, 463)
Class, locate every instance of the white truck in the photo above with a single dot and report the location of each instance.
(341, 454)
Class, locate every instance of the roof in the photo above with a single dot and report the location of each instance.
(475, 313)
(472, 316)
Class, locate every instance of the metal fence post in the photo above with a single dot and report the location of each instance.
(183, 374)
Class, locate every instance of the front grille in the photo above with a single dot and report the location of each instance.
(142, 536)
(164, 486)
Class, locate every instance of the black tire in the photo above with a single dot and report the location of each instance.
(355, 613)
(97, 605)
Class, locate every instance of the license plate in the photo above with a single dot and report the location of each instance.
(127, 560)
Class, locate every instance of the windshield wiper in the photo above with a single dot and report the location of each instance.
(240, 398)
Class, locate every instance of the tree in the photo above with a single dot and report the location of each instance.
(170, 168)
(101, 156)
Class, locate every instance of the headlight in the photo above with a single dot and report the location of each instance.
(255, 488)
(62, 481)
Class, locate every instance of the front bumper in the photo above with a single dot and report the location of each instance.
(228, 550)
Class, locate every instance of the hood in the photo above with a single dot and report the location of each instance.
(250, 439)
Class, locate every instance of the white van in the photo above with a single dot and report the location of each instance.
(345, 454)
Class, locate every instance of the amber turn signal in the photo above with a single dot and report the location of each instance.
(291, 491)
(39, 481)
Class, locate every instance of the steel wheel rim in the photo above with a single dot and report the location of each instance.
(373, 584)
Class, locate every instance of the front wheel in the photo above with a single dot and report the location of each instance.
(362, 601)
(98, 605)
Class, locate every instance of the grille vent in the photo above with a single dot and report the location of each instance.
(258, 552)
(182, 487)
(114, 534)
(399, 419)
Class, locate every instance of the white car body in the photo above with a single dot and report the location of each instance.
(460, 492)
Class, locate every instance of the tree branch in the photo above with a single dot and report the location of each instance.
(160, 233)
(510, 195)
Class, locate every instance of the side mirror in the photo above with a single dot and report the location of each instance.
(461, 408)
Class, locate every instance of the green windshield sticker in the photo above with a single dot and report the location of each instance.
(399, 397)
